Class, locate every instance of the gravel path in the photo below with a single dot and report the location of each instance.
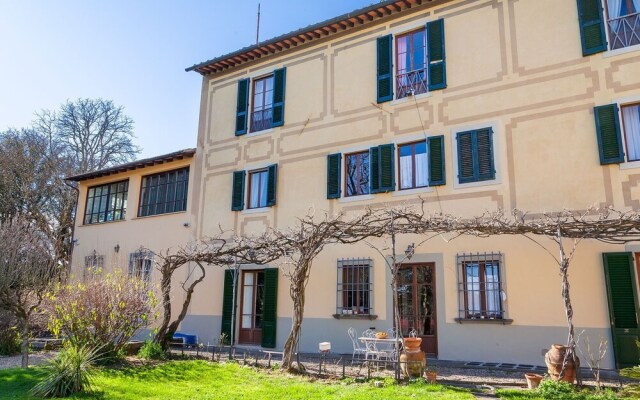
(34, 359)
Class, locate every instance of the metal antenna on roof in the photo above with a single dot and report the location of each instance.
(258, 27)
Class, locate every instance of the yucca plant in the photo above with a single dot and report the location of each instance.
(71, 371)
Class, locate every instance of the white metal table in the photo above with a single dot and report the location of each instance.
(378, 349)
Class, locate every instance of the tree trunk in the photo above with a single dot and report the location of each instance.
(165, 286)
(297, 292)
(25, 343)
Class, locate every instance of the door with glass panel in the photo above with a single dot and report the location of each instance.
(252, 306)
(417, 304)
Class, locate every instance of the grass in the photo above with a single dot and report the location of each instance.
(202, 380)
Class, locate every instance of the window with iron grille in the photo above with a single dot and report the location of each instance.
(92, 264)
(164, 193)
(355, 286)
(106, 202)
(140, 263)
(411, 61)
(623, 22)
(480, 287)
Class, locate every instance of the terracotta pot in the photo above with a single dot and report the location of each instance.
(554, 359)
(413, 360)
(133, 347)
(430, 376)
(533, 380)
(411, 343)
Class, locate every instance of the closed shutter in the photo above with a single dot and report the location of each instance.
(436, 55)
(237, 197)
(279, 88)
(385, 68)
(465, 157)
(435, 147)
(608, 132)
(386, 153)
(591, 22)
(242, 107)
(334, 164)
(484, 147)
(227, 304)
(272, 183)
(270, 316)
(374, 170)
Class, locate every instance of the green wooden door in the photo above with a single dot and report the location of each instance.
(623, 307)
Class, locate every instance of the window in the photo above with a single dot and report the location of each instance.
(355, 289)
(623, 22)
(631, 128)
(163, 193)
(413, 165)
(261, 113)
(140, 264)
(475, 156)
(357, 173)
(479, 286)
(93, 264)
(258, 188)
(106, 203)
(411, 61)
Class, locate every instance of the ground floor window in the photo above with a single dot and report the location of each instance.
(480, 286)
(93, 264)
(140, 263)
(355, 289)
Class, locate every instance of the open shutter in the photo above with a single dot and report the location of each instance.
(227, 304)
(334, 163)
(435, 147)
(272, 182)
(269, 316)
(623, 307)
(386, 164)
(242, 107)
(385, 68)
(465, 157)
(374, 169)
(484, 148)
(436, 55)
(237, 198)
(279, 87)
(608, 132)
(591, 27)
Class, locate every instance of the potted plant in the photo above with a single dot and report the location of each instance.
(430, 375)
(533, 380)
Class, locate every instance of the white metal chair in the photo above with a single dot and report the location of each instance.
(358, 349)
(391, 333)
(369, 333)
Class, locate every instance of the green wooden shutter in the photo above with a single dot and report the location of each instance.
(608, 133)
(237, 197)
(272, 183)
(591, 27)
(436, 55)
(374, 169)
(484, 151)
(465, 157)
(270, 315)
(435, 148)
(385, 68)
(623, 307)
(386, 152)
(334, 164)
(242, 107)
(227, 304)
(279, 88)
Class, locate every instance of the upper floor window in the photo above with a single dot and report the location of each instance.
(258, 181)
(631, 128)
(413, 165)
(623, 22)
(357, 173)
(262, 111)
(261, 190)
(480, 286)
(475, 156)
(411, 61)
(106, 202)
(163, 193)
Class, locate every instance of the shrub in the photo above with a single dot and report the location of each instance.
(72, 371)
(558, 390)
(152, 351)
(9, 341)
(104, 312)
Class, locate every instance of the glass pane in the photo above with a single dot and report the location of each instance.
(631, 122)
(473, 290)
(246, 321)
(264, 176)
(418, 56)
(248, 279)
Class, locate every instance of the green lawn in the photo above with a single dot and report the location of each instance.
(202, 380)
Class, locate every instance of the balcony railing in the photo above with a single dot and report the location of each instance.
(261, 119)
(624, 31)
(412, 82)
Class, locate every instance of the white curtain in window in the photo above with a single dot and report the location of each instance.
(402, 50)
(255, 191)
(405, 172)
(631, 118)
(263, 189)
(422, 178)
(614, 7)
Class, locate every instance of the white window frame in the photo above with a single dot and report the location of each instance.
(622, 102)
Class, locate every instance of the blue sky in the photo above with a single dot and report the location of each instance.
(134, 53)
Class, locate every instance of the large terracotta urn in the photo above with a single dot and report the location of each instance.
(554, 359)
(413, 360)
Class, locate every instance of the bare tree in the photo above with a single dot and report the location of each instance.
(26, 270)
(95, 133)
